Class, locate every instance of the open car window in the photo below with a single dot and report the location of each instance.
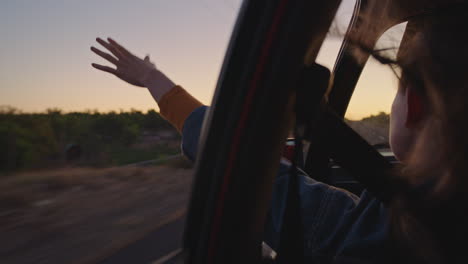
(330, 49)
(89, 170)
(369, 109)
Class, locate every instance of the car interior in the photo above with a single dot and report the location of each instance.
(270, 77)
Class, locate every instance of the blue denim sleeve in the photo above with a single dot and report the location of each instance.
(191, 132)
(338, 226)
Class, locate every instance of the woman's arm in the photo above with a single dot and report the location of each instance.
(176, 104)
(191, 132)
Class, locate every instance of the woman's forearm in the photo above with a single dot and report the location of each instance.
(158, 84)
(174, 102)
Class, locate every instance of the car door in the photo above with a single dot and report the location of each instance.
(247, 125)
(245, 128)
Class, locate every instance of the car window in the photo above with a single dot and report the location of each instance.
(330, 49)
(369, 108)
(89, 170)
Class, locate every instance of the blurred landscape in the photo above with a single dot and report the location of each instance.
(74, 187)
(374, 129)
(55, 139)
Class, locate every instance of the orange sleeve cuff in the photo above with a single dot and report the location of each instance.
(176, 105)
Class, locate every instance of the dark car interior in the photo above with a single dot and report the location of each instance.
(270, 77)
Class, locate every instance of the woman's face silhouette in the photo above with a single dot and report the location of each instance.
(400, 135)
(407, 114)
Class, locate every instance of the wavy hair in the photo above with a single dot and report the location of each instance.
(429, 218)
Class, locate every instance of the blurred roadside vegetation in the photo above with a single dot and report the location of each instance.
(374, 128)
(42, 140)
(381, 118)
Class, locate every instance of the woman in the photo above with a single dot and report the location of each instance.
(426, 221)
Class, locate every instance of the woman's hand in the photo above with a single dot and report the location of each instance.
(130, 68)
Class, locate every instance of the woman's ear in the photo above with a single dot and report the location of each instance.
(415, 108)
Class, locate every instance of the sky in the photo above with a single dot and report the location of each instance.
(45, 57)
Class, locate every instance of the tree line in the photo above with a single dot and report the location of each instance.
(41, 140)
(37, 140)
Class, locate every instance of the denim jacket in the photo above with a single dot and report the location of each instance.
(339, 227)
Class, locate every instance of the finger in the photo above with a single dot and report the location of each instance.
(119, 47)
(105, 68)
(105, 55)
(111, 48)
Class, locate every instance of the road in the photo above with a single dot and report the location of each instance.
(160, 246)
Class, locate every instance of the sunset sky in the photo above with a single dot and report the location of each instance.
(45, 57)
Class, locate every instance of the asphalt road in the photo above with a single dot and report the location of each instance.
(160, 246)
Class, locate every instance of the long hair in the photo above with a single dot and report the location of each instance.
(429, 218)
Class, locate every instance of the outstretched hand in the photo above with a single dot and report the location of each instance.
(129, 67)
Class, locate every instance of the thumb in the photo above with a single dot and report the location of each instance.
(148, 62)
